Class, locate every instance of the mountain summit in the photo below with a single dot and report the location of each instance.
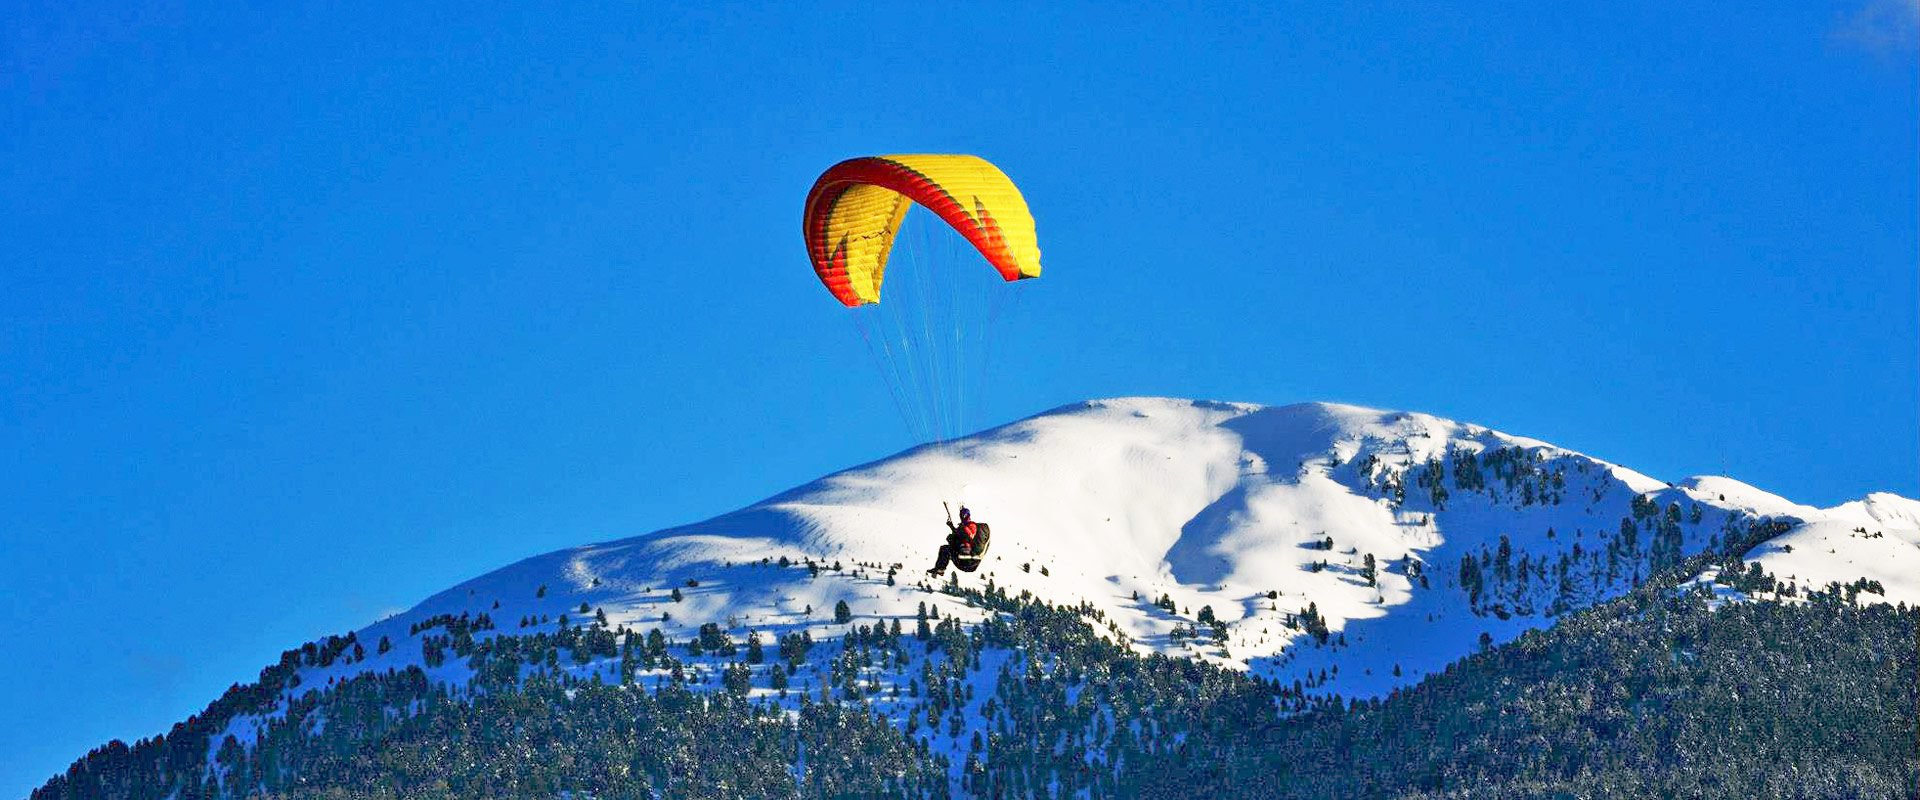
(1178, 593)
(1348, 548)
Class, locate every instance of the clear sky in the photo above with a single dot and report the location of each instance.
(307, 313)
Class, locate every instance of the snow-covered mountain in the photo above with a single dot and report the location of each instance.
(1330, 551)
(1349, 549)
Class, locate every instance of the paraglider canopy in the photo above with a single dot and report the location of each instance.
(933, 339)
(856, 207)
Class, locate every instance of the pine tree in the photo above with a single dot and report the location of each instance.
(737, 679)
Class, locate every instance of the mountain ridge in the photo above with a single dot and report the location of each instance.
(1331, 552)
(1210, 505)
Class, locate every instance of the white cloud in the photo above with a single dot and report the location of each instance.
(1882, 27)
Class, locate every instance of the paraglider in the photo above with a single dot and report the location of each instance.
(934, 334)
(967, 543)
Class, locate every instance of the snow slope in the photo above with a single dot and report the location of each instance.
(1115, 503)
(1224, 510)
(1876, 538)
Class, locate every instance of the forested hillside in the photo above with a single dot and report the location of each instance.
(1662, 693)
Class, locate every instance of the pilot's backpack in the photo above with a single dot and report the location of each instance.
(983, 537)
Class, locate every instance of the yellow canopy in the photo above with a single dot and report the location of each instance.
(857, 206)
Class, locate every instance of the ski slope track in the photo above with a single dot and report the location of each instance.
(1256, 523)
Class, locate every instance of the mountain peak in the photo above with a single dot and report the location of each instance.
(1262, 515)
(1344, 549)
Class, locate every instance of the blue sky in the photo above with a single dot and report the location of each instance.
(307, 313)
